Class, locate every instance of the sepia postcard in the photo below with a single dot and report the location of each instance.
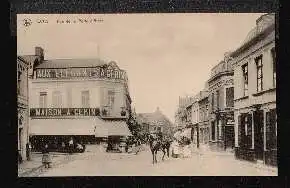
(188, 94)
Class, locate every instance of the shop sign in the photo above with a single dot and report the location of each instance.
(54, 112)
(95, 72)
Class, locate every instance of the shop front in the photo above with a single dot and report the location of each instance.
(57, 132)
(114, 133)
(257, 138)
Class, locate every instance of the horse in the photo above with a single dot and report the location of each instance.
(156, 145)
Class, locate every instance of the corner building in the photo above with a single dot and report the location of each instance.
(87, 99)
(221, 105)
(255, 94)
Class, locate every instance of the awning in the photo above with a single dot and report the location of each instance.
(80, 126)
(105, 128)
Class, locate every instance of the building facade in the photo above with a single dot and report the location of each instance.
(203, 117)
(154, 122)
(182, 114)
(80, 98)
(221, 103)
(22, 106)
(255, 94)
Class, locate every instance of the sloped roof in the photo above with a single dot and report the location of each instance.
(65, 63)
(154, 118)
(265, 22)
(28, 58)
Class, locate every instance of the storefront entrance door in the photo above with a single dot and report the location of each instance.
(259, 134)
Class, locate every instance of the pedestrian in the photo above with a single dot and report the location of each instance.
(28, 151)
(71, 145)
(46, 158)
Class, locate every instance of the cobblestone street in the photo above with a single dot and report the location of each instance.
(97, 163)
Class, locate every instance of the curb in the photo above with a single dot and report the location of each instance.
(41, 168)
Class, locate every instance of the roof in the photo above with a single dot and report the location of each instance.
(28, 58)
(154, 118)
(263, 24)
(65, 63)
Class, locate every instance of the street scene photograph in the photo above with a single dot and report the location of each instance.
(167, 94)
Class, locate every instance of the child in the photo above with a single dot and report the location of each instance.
(46, 160)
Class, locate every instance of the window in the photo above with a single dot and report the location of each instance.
(19, 78)
(111, 98)
(259, 65)
(273, 52)
(42, 99)
(56, 99)
(230, 97)
(85, 99)
(245, 76)
(271, 129)
(212, 131)
(212, 101)
(217, 99)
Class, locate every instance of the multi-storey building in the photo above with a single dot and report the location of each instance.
(22, 105)
(79, 98)
(221, 103)
(181, 116)
(255, 94)
(203, 117)
(156, 121)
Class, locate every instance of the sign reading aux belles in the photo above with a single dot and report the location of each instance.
(96, 72)
(53, 112)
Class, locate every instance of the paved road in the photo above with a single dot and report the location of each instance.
(96, 163)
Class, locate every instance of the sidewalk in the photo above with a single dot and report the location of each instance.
(28, 168)
(206, 151)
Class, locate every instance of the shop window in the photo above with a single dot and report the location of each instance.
(259, 65)
(230, 97)
(56, 99)
(273, 53)
(43, 100)
(245, 78)
(271, 129)
(85, 99)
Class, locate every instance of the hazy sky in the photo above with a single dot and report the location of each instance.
(165, 55)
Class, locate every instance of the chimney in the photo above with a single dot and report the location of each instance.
(39, 52)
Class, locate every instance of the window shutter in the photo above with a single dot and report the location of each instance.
(239, 129)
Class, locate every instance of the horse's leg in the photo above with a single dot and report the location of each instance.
(163, 150)
(168, 148)
(155, 156)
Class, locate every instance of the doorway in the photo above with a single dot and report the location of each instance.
(259, 134)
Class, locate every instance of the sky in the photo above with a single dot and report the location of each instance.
(165, 55)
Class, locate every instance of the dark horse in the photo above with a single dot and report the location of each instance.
(157, 144)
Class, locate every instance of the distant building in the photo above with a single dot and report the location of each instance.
(181, 115)
(86, 99)
(156, 121)
(204, 129)
(221, 103)
(22, 105)
(255, 94)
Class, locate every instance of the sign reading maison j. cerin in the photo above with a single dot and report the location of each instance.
(92, 72)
